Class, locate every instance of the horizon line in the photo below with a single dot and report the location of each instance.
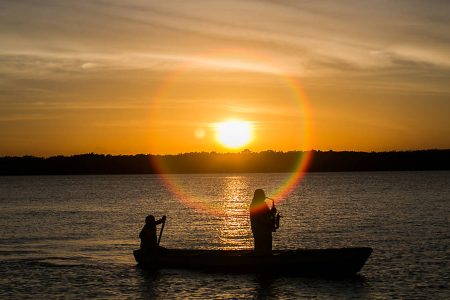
(245, 151)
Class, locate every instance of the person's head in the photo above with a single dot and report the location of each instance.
(259, 196)
(149, 219)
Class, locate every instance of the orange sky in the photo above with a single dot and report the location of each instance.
(126, 77)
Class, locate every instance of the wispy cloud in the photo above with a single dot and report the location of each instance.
(26, 117)
(308, 36)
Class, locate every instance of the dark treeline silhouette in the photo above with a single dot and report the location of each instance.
(246, 161)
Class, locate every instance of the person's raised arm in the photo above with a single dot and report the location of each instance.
(162, 220)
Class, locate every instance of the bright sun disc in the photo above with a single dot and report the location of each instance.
(234, 134)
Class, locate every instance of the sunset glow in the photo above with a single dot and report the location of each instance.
(375, 74)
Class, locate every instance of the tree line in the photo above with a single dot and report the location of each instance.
(211, 162)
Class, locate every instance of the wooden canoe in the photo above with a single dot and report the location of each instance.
(332, 262)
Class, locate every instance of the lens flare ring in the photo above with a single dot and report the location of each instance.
(303, 160)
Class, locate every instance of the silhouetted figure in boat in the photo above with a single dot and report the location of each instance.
(149, 239)
(262, 222)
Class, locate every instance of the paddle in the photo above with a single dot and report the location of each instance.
(162, 228)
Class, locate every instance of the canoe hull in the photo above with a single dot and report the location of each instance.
(332, 262)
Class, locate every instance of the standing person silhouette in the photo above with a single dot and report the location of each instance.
(149, 240)
(261, 223)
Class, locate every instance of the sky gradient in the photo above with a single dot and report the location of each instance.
(126, 77)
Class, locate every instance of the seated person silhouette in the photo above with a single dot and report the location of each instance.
(261, 223)
(149, 240)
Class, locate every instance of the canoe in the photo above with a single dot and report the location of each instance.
(332, 262)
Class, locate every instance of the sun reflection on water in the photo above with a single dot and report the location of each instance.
(234, 232)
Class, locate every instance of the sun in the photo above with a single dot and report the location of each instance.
(234, 133)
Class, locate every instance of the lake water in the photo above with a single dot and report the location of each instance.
(72, 236)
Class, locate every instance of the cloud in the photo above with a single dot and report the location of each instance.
(25, 117)
(300, 35)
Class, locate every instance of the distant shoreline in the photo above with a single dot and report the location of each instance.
(244, 162)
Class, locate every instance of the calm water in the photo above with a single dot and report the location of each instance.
(73, 236)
